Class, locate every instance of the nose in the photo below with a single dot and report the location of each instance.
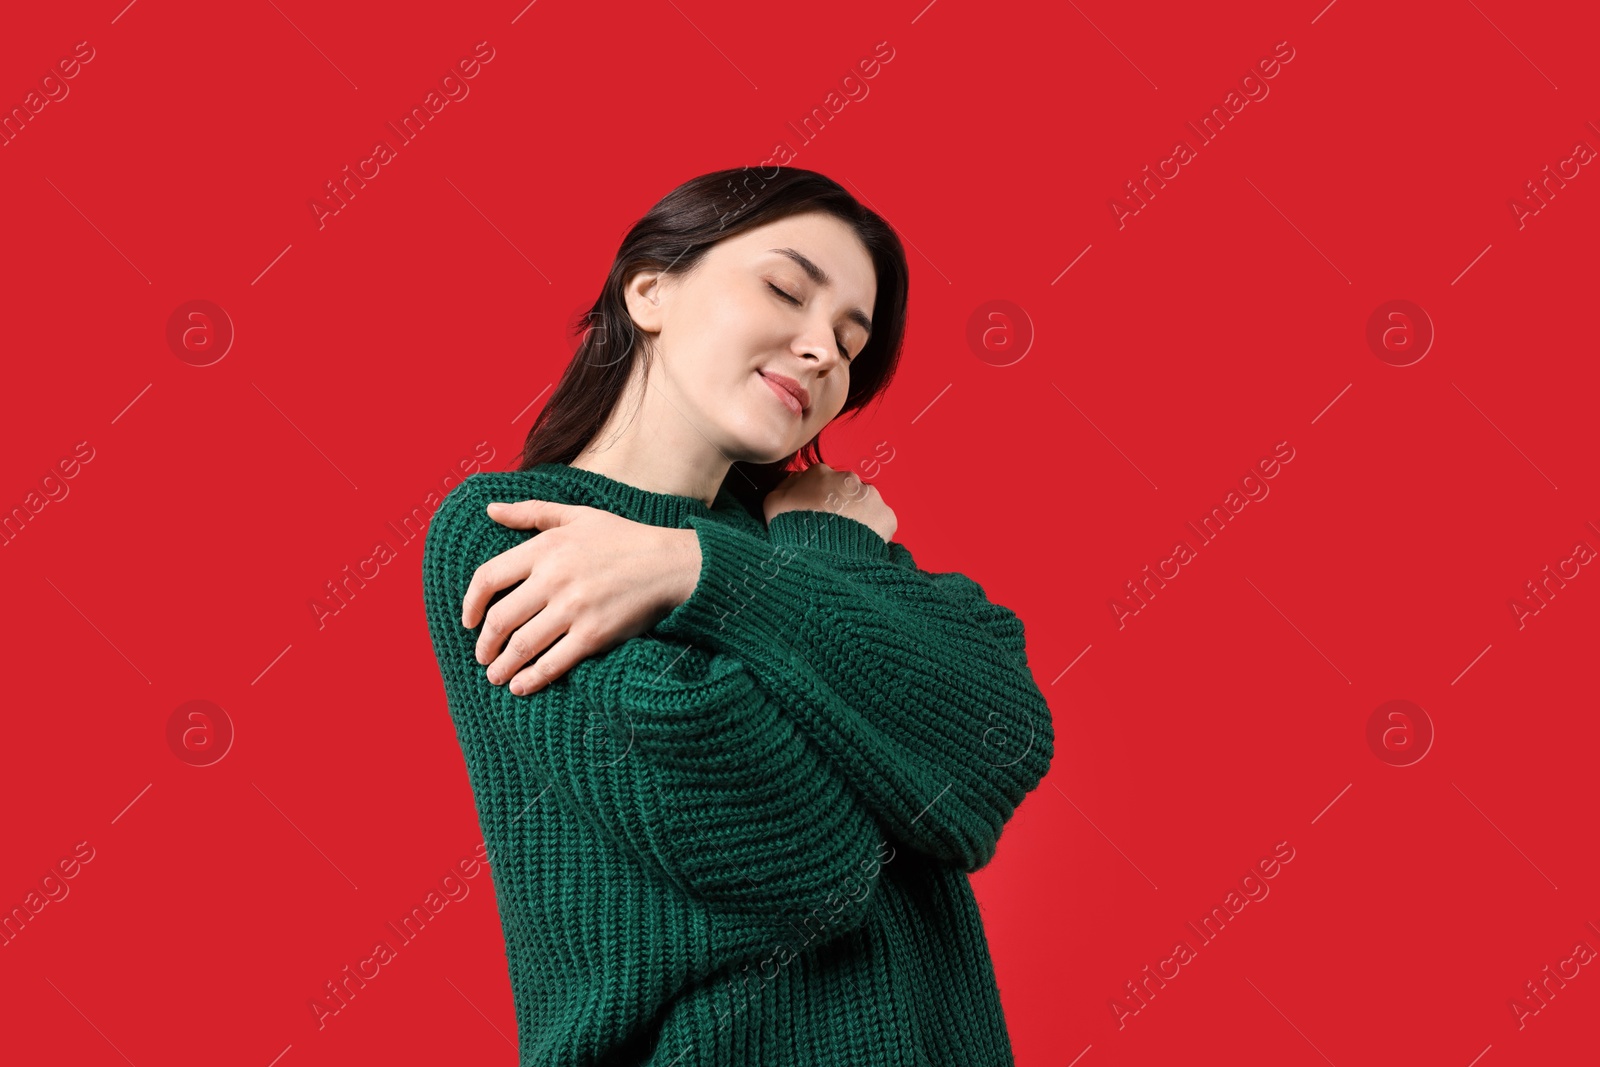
(818, 341)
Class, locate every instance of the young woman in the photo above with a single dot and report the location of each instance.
(732, 803)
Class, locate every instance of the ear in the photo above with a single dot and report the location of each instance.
(644, 292)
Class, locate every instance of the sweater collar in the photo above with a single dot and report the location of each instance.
(632, 502)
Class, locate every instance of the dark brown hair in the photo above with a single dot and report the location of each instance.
(672, 237)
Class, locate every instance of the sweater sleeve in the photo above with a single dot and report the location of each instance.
(855, 543)
(915, 686)
(672, 753)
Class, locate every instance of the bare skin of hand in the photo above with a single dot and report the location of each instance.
(821, 488)
(589, 581)
(592, 579)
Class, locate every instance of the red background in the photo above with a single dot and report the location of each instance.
(374, 353)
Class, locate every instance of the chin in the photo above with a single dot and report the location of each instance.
(764, 456)
(756, 438)
(758, 449)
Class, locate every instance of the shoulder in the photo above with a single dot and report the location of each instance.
(464, 510)
(474, 492)
(461, 535)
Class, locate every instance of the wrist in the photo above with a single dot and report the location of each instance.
(684, 553)
(829, 531)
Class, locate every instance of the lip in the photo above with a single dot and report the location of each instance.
(792, 387)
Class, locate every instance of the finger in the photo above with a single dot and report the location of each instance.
(530, 640)
(529, 514)
(517, 563)
(561, 658)
(493, 575)
(513, 611)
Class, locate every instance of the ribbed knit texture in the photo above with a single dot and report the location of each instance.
(744, 837)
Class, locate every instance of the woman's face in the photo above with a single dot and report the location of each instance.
(752, 313)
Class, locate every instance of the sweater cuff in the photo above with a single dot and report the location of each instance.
(734, 568)
(829, 531)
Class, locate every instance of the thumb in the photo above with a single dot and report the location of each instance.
(529, 514)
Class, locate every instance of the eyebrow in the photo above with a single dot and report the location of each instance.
(821, 277)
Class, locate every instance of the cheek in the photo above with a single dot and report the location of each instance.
(837, 397)
(738, 313)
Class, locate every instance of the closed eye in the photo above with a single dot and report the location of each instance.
(842, 350)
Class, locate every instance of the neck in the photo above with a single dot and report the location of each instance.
(657, 448)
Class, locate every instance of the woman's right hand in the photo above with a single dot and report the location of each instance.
(821, 488)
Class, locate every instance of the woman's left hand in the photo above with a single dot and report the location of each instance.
(594, 577)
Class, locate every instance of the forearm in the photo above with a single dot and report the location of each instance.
(915, 685)
(674, 755)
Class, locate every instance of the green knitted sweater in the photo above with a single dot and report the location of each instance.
(744, 837)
